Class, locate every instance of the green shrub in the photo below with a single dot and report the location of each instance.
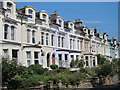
(77, 63)
(72, 64)
(53, 66)
(37, 69)
(9, 70)
(104, 70)
(19, 82)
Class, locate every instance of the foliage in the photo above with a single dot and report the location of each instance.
(101, 59)
(77, 63)
(19, 82)
(37, 69)
(72, 64)
(53, 66)
(104, 70)
(9, 70)
(116, 65)
(81, 63)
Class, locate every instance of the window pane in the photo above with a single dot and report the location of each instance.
(36, 55)
(14, 54)
(66, 57)
(12, 33)
(28, 55)
(42, 38)
(52, 40)
(5, 51)
(28, 62)
(5, 31)
(46, 39)
(30, 11)
(60, 56)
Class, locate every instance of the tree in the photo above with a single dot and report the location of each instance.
(9, 70)
(72, 64)
(81, 63)
(104, 70)
(101, 59)
(37, 69)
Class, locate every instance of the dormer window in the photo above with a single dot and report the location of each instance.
(60, 22)
(71, 25)
(44, 16)
(30, 11)
(9, 4)
(9, 7)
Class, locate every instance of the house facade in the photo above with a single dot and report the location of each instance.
(32, 37)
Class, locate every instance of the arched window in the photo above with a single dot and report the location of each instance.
(33, 36)
(30, 11)
(52, 40)
(62, 41)
(44, 16)
(58, 41)
(46, 38)
(42, 38)
(5, 31)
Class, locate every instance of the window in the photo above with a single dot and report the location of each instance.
(28, 58)
(5, 31)
(9, 4)
(14, 54)
(28, 55)
(62, 41)
(70, 43)
(60, 56)
(93, 61)
(58, 41)
(72, 57)
(77, 57)
(36, 55)
(86, 58)
(73, 44)
(12, 33)
(44, 16)
(5, 53)
(85, 46)
(90, 60)
(30, 11)
(42, 38)
(71, 25)
(52, 40)
(81, 45)
(9, 10)
(30, 16)
(28, 36)
(78, 44)
(33, 36)
(66, 56)
(9, 7)
(46, 39)
(60, 22)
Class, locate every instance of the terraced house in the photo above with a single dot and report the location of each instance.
(32, 37)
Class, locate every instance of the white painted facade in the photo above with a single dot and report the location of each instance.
(33, 37)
